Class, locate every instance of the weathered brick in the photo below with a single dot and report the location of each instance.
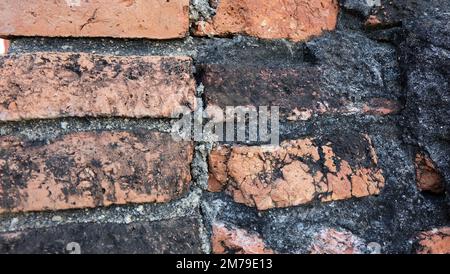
(174, 236)
(297, 172)
(332, 241)
(436, 241)
(227, 238)
(298, 91)
(334, 74)
(272, 19)
(428, 177)
(92, 169)
(52, 85)
(393, 13)
(156, 19)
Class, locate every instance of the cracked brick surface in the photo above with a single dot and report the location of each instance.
(54, 85)
(436, 241)
(332, 241)
(86, 158)
(157, 19)
(292, 19)
(297, 172)
(92, 169)
(428, 177)
(229, 239)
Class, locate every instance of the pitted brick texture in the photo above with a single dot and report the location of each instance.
(54, 85)
(428, 177)
(297, 172)
(272, 19)
(88, 169)
(298, 91)
(332, 241)
(157, 19)
(227, 238)
(436, 241)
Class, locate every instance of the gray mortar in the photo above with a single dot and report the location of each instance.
(107, 46)
(362, 7)
(200, 165)
(50, 129)
(186, 206)
(201, 10)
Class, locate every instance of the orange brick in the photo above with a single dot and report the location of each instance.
(156, 19)
(272, 19)
(87, 169)
(428, 177)
(436, 241)
(52, 85)
(227, 238)
(297, 172)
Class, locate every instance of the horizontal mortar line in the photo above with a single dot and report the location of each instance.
(76, 124)
(103, 39)
(115, 214)
(89, 119)
(144, 47)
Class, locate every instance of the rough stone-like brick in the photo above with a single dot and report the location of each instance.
(332, 241)
(272, 19)
(92, 169)
(51, 85)
(436, 241)
(428, 177)
(336, 73)
(227, 238)
(297, 91)
(393, 13)
(297, 172)
(425, 55)
(174, 236)
(156, 19)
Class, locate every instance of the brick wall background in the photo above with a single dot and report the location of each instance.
(86, 155)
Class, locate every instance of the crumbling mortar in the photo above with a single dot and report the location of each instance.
(121, 214)
(53, 128)
(199, 165)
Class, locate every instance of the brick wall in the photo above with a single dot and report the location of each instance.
(89, 163)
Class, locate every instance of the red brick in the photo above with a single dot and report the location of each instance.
(227, 238)
(272, 19)
(92, 169)
(436, 241)
(332, 241)
(297, 172)
(156, 19)
(52, 85)
(428, 177)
